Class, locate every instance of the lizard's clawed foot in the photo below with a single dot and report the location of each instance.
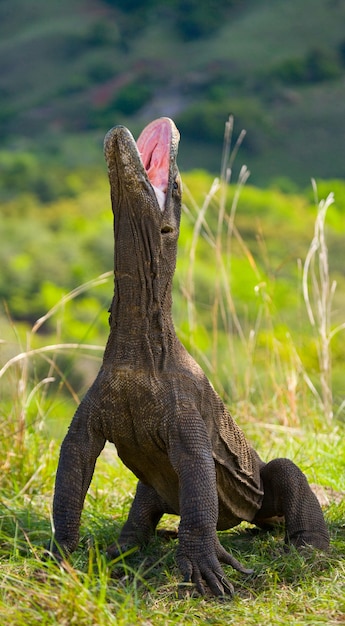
(58, 553)
(200, 564)
(206, 574)
(116, 550)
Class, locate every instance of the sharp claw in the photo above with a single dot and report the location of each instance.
(219, 584)
(227, 558)
(197, 580)
(227, 586)
(248, 571)
(237, 565)
(200, 587)
(218, 591)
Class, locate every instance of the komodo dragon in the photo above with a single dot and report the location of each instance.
(153, 401)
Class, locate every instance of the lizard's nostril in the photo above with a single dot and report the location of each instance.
(166, 229)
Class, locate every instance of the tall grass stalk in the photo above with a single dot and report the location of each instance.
(223, 296)
(318, 293)
(223, 307)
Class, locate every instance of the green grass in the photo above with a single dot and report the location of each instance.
(286, 587)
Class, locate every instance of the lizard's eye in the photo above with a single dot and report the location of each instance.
(175, 185)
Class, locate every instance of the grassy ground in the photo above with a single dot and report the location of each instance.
(286, 587)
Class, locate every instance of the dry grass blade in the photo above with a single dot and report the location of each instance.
(100, 280)
(318, 292)
(53, 348)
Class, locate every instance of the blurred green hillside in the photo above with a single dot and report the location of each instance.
(70, 70)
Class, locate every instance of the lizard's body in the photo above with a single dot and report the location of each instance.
(154, 402)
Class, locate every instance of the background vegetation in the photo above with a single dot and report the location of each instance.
(70, 70)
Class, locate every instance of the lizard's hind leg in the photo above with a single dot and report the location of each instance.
(146, 511)
(287, 493)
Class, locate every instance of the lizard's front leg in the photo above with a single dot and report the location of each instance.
(199, 552)
(79, 451)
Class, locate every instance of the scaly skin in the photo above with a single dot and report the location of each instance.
(153, 401)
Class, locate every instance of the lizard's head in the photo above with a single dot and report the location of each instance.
(146, 202)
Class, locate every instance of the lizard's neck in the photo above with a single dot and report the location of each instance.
(141, 327)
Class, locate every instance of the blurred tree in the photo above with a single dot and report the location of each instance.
(199, 18)
(322, 64)
(318, 65)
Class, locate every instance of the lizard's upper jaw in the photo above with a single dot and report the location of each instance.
(145, 170)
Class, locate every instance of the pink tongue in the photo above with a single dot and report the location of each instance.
(154, 147)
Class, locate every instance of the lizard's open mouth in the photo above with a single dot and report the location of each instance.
(143, 173)
(154, 145)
